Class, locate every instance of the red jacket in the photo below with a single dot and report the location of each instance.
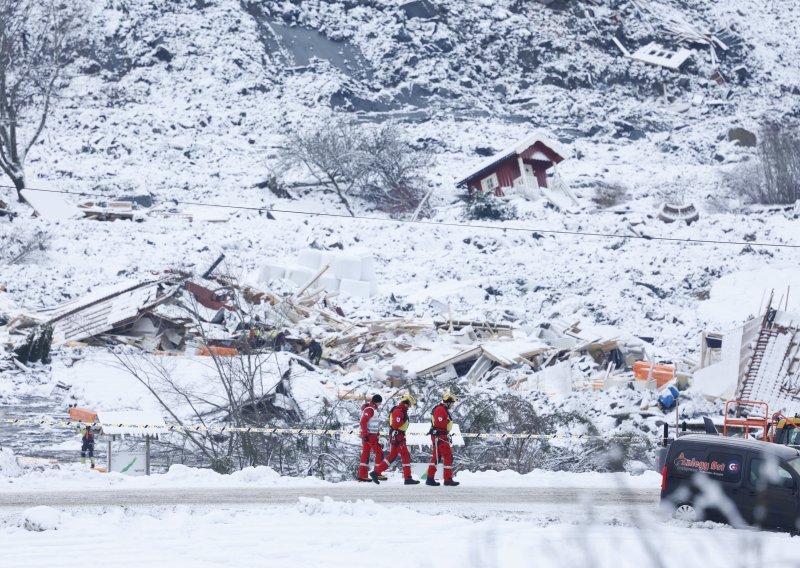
(369, 419)
(398, 419)
(440, 420)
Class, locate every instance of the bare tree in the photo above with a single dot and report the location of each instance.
(773, 179)
(779, 152)
(376, 164)
(395, 170)
(334, 154)
(35, 45)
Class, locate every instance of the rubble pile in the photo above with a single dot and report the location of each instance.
(177, 313)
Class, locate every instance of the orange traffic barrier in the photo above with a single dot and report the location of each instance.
(83, 414)
(662, 374)
(209, 350)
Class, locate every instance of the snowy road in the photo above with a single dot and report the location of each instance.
(569, 505)
(498, 497)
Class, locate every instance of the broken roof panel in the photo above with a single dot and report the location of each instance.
(656, 54)
(509, 353)
(49, 204)
(106, 308)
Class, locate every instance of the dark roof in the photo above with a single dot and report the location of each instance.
(779, 450)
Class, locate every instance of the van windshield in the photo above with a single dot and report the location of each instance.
(794, 463)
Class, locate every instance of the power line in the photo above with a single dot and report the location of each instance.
(443, 224)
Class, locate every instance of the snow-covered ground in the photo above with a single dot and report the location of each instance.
(361, 532)
(208, 124)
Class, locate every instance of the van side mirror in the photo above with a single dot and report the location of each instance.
(709, 426)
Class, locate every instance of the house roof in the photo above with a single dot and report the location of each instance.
(518, 148)
(106, 308)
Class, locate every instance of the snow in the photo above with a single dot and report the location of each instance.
(42, 518)
(355, 534)
(209, 125)
(8, 464)
(141, 423)
(52, 206)
(737, 296)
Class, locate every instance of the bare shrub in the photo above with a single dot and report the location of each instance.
(609, 194)
(394, 180)
(774, 179)
(276, 186)
(487, 207)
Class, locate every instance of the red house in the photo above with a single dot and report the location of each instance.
(522, 169)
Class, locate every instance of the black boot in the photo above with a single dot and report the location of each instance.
(451, 483)
(410, 481)
(432, 482)
(375, 477)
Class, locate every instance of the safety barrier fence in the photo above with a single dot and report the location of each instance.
(222, 429)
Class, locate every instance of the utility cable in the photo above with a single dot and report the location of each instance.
(444, 224)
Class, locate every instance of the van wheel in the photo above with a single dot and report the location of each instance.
(686, 512)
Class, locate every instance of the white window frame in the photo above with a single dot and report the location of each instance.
(490, 183)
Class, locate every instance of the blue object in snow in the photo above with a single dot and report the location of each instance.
(668, 398)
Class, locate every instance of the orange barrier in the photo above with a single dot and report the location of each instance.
(209, 350)
(83, 414)
(662, 374)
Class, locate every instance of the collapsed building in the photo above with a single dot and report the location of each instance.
(177, 313)
(759, 361)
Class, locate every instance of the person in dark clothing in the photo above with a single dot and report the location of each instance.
(280, 342)
(87, 444)
(314, 352)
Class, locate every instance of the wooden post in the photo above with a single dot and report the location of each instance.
(703, 350)
(108, 457)
(147, 455)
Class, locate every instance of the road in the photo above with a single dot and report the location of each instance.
(569, 502)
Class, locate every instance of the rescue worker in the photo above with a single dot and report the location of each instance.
(257, 336)
(314, 351)
(87, 444)
(398, 424)
(279, 343)
(370, 428)
(441, 424)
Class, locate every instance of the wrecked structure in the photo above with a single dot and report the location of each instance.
(176, 313)
(759, 361)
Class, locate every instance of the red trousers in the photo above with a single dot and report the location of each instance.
(398, 448)
(442, 451)
(369, 445)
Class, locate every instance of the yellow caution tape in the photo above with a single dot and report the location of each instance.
(298, 431)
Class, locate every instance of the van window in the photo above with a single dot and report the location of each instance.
(769, 473)
(726, 466)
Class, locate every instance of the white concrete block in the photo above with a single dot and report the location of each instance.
(348, 267)
(270, 271)
(355, 288)
(309, 258)
(330, 283)
(367, 268)
(327, 257)
(300, 275)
